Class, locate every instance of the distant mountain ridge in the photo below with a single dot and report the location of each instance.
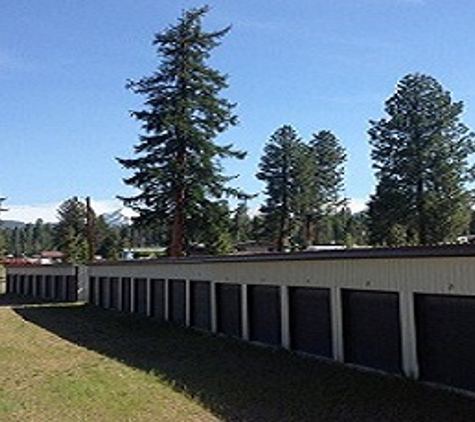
(12, 224)
(115, 218)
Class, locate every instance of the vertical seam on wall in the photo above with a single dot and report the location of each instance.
(285, 316)
(121, 294)
(245, 312)
(166, 300)
(132, 295)
(337, 324)
(187, 302)
(409, 357)
(213, 307)
(149, 296)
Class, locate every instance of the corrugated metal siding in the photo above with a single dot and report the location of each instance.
(364, 308)
(451, 275)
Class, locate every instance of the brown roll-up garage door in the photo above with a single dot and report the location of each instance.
(201, 304)
(265, 314)
(104, 292)
(140, 296)
(177, 301)
(158, 299)
(371, 329)
(310, 320)
(126, 294)
(114, 293)
(446, 339)
(229, 314)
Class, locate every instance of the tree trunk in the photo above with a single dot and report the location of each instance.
(421, 214)
(178, 229)
(308, 230)
(178, 226)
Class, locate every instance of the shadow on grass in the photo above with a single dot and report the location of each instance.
(10, 299)
(240, 382)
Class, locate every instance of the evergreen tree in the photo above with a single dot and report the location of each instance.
(258, 231)
(420, 153)
(15, 241)
(3, 238)
(278, 169)
(177, 169)
(303, 192)
(214, 231)
(326, 185)
(71, 230)
(356, 229)
(107, 241)
(43, 236)
(3, 244)
(241, 223)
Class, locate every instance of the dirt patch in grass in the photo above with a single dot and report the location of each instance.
(84, 357)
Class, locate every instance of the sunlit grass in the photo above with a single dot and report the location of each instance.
(81, 363)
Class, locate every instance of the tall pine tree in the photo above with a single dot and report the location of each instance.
(278, 169)
(71, 230)
(325, 190)
(420, 153)
(177, 169)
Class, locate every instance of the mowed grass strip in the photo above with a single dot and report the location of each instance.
(77, 362)
(44, 377)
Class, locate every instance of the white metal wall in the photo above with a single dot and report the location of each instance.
(405, 275)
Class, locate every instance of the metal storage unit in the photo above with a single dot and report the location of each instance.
(126, 294)
(157, 293)
(177, 301)
(446, 339)
(310, 320)
(371, 328)
(264, 314)
(229, 310)
(114, 293)
(200, 304)
(140, 296)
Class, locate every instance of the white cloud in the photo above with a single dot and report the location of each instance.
(357, 204)
(30, 213)
(48, 212)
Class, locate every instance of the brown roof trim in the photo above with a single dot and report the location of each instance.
(356, 253)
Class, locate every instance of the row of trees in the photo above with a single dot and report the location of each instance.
(420, 153)
(112, 239)
(420, 150)
(421, 156)
(69, 235)
(304, 183)
(177, 169)
(78, 229)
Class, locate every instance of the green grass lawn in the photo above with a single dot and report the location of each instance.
(62, 362)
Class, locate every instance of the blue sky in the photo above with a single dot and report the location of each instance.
(315, 64)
